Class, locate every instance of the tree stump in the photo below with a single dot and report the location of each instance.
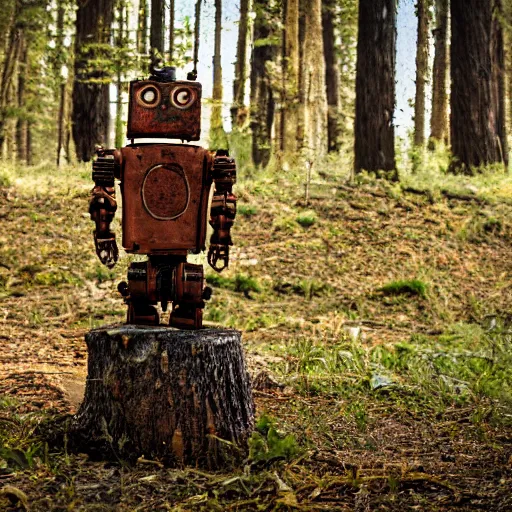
(183, 397)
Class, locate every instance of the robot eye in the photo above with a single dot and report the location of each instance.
(148, 96)
(183, 97)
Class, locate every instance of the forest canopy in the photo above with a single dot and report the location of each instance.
(310, 78)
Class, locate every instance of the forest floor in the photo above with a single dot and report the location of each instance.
(377, 325)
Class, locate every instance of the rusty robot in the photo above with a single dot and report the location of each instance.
(165, 189)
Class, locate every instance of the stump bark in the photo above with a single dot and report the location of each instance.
(183, 397)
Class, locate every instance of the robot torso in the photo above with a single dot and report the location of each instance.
(165, 190)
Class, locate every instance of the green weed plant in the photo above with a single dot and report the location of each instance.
(266, 444)
(408, 287)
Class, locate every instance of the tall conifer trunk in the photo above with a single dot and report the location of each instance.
(217, 135)
(142, 28)
(60, 121)
(58, 73)
(332, 78)
(262, 96)
(121, 41)
(91, 87)
(421, 72)
(315, 108)
(172, 11)
(156, 37)
(477, 124)
(238, 113)
(291, 66)
(375, 87)
(21, 122)
(29, 153)
(302, 73)
(10, 61)
(439, 116)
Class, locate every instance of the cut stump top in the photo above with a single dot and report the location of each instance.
(183, 396)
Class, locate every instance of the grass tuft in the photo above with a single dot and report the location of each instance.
(247, 210)
(240, 283)
(405, 287)
(306, 219)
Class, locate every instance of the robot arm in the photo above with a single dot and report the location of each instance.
(223, 210)
(102, 206)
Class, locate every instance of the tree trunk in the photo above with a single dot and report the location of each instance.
(439, 116)
(60, 123)
(262, 97)
(315, 108)
(332, 76)
(218, 138)
(421, 72)
(68, 119)
(91, 86)
(58, 74)
(238, 111)
(142, 28)
(302, 74)
(375, 88)
(172, 10)
(156, 37)
(21, 122)
(498, 68)
(30, 160)
(291, 67)
(119, 128)
(507, 36)
(346, 51)
(10, 60)
(477, 122)
(167, 394)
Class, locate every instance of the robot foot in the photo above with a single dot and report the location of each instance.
(186, 318)
(142, 314)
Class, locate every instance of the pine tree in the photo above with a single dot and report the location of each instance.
(121, 42)
(238, 111)
(157, 27)
(142, 28)
(172, 12)
(422, 7)
(21, 122)
(92, 76)
(264, 52)
(439, 116)
(12, 55)
(218, 138)
(477, 122)
(314, 94)
(375, 88)
(291, 67)
(332, 75)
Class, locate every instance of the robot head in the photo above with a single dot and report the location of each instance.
(164, 107)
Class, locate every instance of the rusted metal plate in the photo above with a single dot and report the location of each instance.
(165, 189)
(165, 192)
(171, 110)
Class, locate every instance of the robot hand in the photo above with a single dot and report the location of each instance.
(218, 253)
(106, 248)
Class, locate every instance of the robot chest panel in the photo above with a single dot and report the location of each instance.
(165, 191)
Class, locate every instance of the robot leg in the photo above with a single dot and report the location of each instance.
(142, 313)
(140, 295)
(188, 303)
